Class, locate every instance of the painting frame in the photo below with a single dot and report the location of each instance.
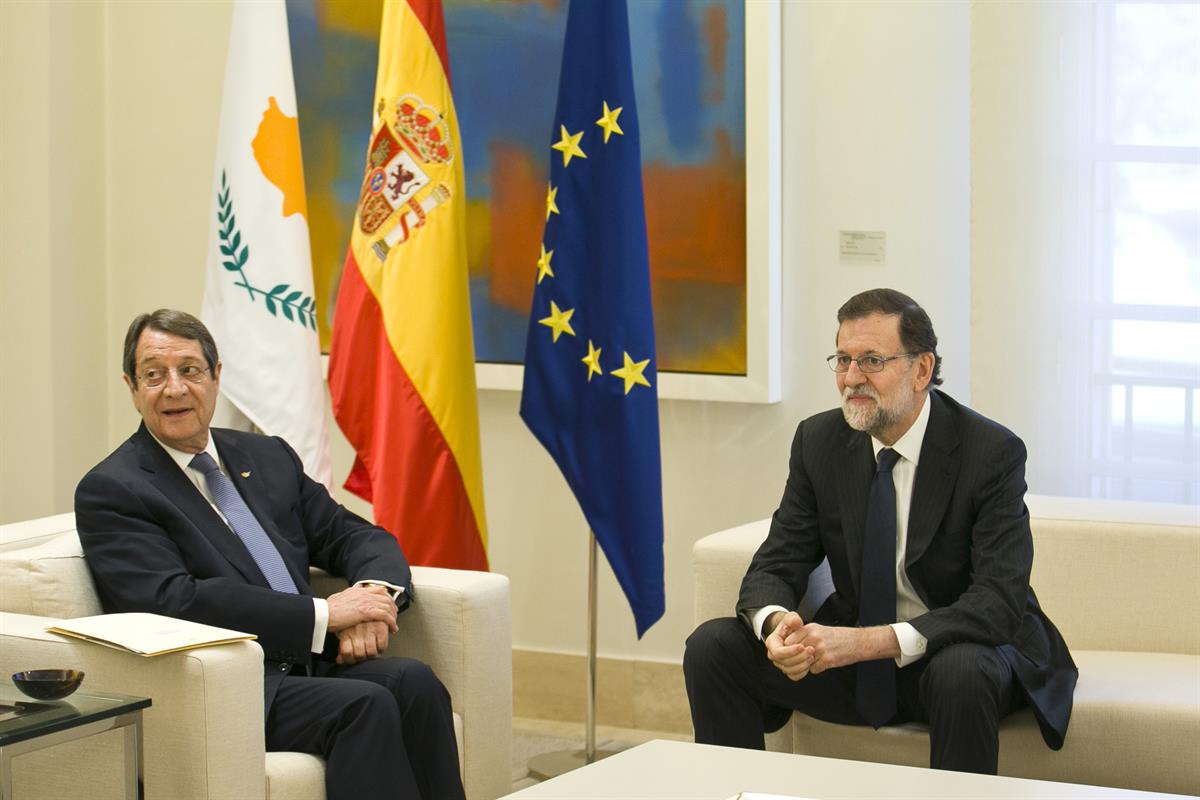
(764, 246)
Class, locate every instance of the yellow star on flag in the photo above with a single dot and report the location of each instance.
(592, 359)
(631, 373)
(568, 145)
(609, 122)
(543, 264)
(551, 206)
(559, 322)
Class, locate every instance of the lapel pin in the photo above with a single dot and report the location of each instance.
(246, 474)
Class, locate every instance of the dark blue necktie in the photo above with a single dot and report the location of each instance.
(245, 524)
(876, 686)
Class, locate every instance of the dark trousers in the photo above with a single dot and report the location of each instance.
(383, 727)
(962, 691)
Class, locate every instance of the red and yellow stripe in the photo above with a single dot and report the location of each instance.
(402, 363)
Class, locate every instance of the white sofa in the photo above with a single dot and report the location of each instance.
(1122, 583)
(204, 732)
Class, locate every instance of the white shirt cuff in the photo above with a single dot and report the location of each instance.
(320, 623)
(912, 644)
(760, 617)
(395, 590)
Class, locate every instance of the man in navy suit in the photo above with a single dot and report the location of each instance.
(961, 641)
(221, 527)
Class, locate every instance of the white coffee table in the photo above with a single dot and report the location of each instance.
(662, 770)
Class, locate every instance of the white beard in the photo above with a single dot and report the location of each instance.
(877, 418)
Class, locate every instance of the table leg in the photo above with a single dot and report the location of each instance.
(5, 775)
(131, 725)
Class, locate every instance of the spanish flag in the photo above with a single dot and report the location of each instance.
(402, 361)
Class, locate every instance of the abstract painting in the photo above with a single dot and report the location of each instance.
(689, 74)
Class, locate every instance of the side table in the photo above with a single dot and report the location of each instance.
(27, 725)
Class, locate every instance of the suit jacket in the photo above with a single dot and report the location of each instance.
(153, 543)
(969, 551)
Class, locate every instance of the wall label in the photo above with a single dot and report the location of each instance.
(862, 247)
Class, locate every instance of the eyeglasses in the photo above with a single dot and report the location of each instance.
(841, 363)
(156, 377)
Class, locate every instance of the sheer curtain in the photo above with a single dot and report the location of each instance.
(1086, 241)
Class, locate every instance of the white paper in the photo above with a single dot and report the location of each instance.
(146, 634)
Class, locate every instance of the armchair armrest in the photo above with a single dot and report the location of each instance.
(720, 561)
(460, 625)
(204, 731)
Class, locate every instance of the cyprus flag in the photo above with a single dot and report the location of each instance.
(258, 298)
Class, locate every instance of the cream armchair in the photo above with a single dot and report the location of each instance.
(204, 732)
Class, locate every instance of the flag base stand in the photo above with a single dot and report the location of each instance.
(559, 762)
(551, 765)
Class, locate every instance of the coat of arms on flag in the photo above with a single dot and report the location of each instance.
(398, 189)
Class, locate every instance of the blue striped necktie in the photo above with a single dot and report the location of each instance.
(244, 524)
(876, 686)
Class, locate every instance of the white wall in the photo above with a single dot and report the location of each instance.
(164, 100)
(876, 137)
(52, 252)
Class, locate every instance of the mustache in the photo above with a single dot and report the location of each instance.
(859, 391)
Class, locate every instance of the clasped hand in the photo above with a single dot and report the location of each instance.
(797, 649)
(364, 641)
(363, 617)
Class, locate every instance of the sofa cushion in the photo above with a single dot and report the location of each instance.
(1136, 571)
(1133, 726)
(48, 578)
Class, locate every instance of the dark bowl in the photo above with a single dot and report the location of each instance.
(47, 684)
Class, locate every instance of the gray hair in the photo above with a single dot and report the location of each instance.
(176, 323)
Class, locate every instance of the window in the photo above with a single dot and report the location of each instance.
(1145, 253)
(1085, 241)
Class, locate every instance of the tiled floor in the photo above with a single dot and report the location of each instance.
(532, 737)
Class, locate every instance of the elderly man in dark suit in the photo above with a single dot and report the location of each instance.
(918, 504)
(221, 527)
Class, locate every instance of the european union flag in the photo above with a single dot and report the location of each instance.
(590, 393)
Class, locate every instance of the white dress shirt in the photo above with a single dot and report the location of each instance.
(908, 603)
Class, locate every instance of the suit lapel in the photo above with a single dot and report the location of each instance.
(855, 468)
(165, 474)
(937, 470)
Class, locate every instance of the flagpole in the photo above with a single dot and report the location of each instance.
(590, 719)
(550, 765)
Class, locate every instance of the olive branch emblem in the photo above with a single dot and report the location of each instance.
(295, 305)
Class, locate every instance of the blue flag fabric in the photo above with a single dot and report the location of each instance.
(590, 393)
